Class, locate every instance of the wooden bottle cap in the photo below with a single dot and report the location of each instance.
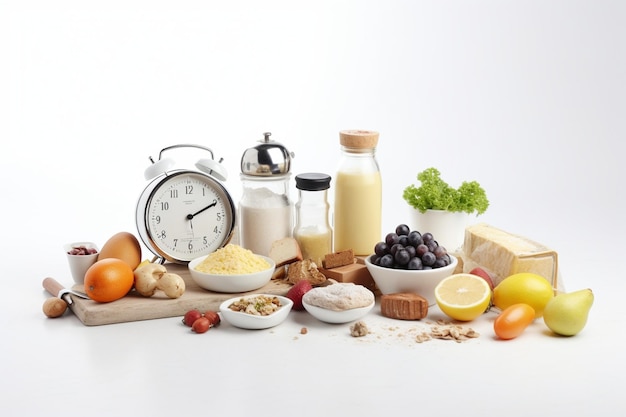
(358, 138)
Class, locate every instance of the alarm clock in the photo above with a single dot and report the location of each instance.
(183, 214)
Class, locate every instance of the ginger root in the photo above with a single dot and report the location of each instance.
(152, 277)
(172, 285)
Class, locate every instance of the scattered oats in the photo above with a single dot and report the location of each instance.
(422, 337)
(359, 329)
(453, 332)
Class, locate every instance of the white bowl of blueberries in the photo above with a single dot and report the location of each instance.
(409, 261)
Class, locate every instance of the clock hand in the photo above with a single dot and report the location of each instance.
(191, 216)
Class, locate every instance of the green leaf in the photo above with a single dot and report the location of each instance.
(435, 194)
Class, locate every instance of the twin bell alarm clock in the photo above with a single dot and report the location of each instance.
(183, 214)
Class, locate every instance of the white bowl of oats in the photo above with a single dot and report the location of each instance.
(339, 303)
(256, 311)
(232, 269)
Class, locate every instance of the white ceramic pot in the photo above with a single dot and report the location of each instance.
(448, 228)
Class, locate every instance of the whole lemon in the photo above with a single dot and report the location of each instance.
(524, 287)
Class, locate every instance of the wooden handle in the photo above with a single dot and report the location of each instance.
(52, 286)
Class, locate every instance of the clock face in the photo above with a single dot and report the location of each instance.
(188, 215)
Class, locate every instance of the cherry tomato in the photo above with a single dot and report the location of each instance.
(513, 320)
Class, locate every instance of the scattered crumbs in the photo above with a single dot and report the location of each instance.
(415, 333)
(424, 331)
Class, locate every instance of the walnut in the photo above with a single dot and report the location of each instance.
(359, 329)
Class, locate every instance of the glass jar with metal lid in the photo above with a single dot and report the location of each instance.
(265, 209)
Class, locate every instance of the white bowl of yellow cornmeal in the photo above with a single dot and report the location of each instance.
(232, 269)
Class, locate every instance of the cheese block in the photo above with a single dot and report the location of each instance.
(403, 306)
(502, 254)
(356, 273)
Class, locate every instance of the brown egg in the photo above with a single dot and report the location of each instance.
(124, 246)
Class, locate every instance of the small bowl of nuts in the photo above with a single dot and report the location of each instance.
(80, 256)
(256, 311)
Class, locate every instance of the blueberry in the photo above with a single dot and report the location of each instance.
(402, 257)
(428, 259)
(402, 229)
(415, 264)
(381, 248)
(386, 261)
(421, 250)
(415, 238)
(391, 238)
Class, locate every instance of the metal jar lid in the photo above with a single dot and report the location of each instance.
(269, 158)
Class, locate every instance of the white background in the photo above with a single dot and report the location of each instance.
(528, 98)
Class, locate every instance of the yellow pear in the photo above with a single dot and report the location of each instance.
(566, 314)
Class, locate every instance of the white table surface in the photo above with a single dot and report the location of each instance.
(159, 367)
(527, 98)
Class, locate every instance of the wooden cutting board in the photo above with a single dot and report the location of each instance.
(135, 307)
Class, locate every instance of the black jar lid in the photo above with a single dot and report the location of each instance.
(313, 181)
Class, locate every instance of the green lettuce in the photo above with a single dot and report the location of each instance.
(436, 194)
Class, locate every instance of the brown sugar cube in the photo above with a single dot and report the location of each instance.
(354, 272)
(403, 306)
(337, 259)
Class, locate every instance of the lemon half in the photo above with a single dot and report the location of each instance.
(463, 297)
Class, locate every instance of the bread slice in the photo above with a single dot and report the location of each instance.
(279, 272)
(305, 270)
(285, 251)
(403, 306)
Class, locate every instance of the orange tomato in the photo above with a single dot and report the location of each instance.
(513, 320)
(108, 280)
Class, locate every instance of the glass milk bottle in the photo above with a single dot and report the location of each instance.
(312, 230)
(265, 209)
(358, 194)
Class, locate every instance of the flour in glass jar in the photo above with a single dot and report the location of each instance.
(264, 217)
